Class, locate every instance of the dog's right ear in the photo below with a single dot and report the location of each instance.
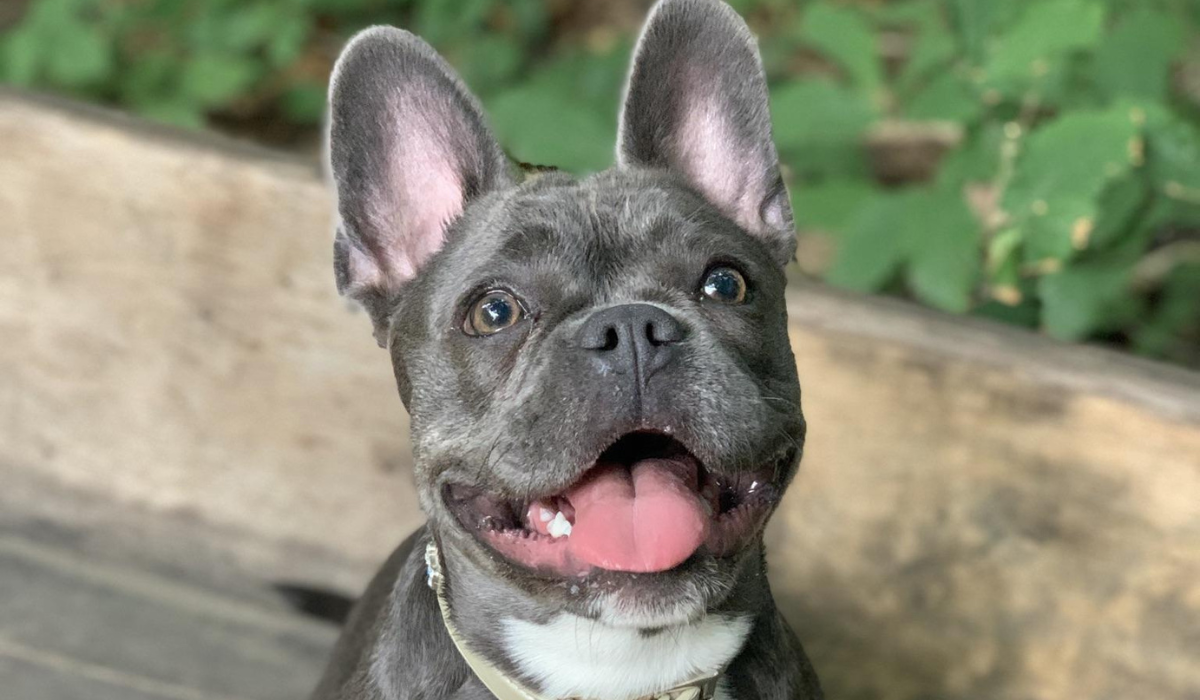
(408, 149)
(696, 105)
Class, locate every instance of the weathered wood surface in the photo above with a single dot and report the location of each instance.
(141, 611)
(982, 513)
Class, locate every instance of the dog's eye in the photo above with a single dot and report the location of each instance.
(724, 284)
(492, 313)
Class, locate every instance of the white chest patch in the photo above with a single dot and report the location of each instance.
(575, 657)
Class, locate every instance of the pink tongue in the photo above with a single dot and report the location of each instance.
(648, 518)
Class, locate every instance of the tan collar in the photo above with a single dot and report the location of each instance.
(505, 688)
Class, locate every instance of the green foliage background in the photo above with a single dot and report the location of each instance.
(1066, 196)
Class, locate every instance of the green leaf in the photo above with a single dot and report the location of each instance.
(530, 16)
(1025, 313)
(1160, 214)
(590, 80)
(1173, 330)
(149, 78)
(744, 7)
(548, 128)
(844, 36)
(174, 112)
(1078, 153)
(1046, 30)
(947, 97)
(1075, 300)
(305, 103)
(1054, 233)
(925, 15)
(1066, 88)
(252, 24)
(204, 28)
(490, 61)
(1006, 285)
(44, 16)
(818, 110)
(819, 126)
(344, 7)
(872, 247)
(82, 55)
(1135, 58)
(438, 21)
(1060, 175)
(287, 41)
(212, 80)
(975, 20)
(931, 51)
(22, 55)
(942, 238)
(830, 205)
(1001, 252)
(1173, 151)
(1120, 203)
(976, 160)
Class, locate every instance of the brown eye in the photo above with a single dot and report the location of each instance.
(492, 313)
(724, 284)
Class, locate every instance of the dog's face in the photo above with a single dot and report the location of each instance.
(604, 403)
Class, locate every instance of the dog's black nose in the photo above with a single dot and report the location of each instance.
(638, 338)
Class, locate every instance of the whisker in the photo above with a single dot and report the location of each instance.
(783, 401)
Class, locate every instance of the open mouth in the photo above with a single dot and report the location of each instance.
(646, 505)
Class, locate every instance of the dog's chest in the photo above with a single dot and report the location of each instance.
(575, 657)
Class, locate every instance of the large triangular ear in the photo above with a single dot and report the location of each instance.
(697, 105)
(408, 149)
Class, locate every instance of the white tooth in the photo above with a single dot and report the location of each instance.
(546, 515)
(559, 526)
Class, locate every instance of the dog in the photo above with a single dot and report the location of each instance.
(605, 406)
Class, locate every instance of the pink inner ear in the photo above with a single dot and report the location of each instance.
(422, 190)
(708, 154)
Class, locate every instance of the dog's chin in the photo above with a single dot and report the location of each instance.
(678, 597)
(681, 605)
(645, 537)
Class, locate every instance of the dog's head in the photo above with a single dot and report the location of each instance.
(605, 357)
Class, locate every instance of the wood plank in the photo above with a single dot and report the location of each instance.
(983, 513)
(72, 625)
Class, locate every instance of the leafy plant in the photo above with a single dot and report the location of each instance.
(186, 61)
(1055, 180)
(1071, 201)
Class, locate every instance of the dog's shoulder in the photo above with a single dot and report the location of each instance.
(394, 645)
(772, 664)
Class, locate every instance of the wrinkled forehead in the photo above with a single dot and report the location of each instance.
(605, 218)
(603, 230)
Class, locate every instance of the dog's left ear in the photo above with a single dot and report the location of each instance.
(409, 149)
(697, 105)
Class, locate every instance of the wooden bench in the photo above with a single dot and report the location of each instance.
(981, 512)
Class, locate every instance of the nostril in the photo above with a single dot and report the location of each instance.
(611, 339)
(660, 333)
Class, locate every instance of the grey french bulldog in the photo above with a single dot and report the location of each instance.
(605, 407)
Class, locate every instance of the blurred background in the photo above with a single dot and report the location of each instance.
(995, 316)
(1036, 162)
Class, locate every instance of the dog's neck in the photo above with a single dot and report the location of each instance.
(557, 654)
